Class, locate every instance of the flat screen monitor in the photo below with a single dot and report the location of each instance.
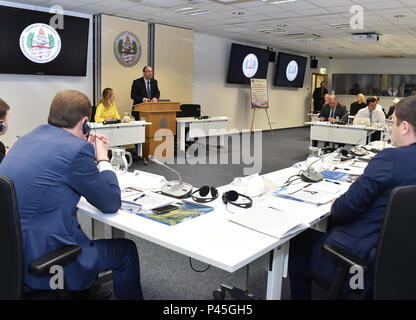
(247, 62)
(31, 45)
(290, 70)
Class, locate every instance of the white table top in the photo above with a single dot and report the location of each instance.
(209, 238)
(97, 125)
(347, 126)
(192, 119)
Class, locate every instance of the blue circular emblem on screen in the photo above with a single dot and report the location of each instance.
(292, 70)
(250, 65)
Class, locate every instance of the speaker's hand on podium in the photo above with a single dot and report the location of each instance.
(154, 100)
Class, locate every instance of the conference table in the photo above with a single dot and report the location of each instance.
(336, 133)
(120, 134)
(212, 238)
(200, 128)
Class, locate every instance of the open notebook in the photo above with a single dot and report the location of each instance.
(277, 217)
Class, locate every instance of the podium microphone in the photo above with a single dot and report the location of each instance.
(175, 188)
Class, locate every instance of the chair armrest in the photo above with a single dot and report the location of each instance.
(340, 255)
(61, 257)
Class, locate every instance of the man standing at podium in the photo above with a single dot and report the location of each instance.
(144, 89)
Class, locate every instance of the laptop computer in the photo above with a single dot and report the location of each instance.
(362, 121)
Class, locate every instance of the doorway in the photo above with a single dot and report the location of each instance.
(317, 78)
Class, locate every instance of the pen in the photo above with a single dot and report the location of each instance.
(332, 181)
(139, 197)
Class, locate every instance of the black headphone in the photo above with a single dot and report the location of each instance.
(2, 126)
(86, 128)
(231, 196)
(203, 192)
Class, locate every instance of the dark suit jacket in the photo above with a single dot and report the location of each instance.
(391, 111)
(355, 107)
(51, 170)
(340, 111)
(358, 214)
(318, 98)
(139, 92)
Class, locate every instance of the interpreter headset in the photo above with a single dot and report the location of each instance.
(232, 196)
(203, 192)
(86, 129)
(2, 126)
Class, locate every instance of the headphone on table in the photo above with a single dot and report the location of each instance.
(2, 126)
(203, 192)
(232, 196)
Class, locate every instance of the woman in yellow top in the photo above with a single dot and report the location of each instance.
(106, 109)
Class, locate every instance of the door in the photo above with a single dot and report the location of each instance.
(317, 78)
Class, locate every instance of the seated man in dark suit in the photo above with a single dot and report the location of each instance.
(52, 167)
(330, 112)
(144, 89)
(358, 214)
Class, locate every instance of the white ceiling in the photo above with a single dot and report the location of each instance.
(242, 20)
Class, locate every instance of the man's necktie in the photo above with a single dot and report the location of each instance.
(148, 90)
(332, 113)
(371, 115)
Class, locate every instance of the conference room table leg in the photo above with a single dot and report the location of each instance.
(180, 131)
(277, 271)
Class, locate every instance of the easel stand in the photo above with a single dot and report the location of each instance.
(252, 120)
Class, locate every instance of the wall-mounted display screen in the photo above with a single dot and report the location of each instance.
(247, 62)
(290, 70)
(31, 44)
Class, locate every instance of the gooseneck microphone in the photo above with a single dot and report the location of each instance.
(175, 188)
(310, 176)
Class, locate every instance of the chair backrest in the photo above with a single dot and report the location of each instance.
(395, 264)
(11, 249)
(189, 110)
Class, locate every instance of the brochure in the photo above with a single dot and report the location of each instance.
(184, 211)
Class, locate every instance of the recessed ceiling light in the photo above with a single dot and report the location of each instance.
(282, 1)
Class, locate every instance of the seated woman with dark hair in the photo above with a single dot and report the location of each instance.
(357, 104)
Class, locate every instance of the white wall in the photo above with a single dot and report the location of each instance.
(288, 106)
(30, 96)
(370, 66)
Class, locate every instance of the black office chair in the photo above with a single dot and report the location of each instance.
(395, 261)
(11, 269)
(189, 110)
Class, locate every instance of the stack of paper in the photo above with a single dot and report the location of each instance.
(269, 221)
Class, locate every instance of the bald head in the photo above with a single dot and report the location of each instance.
(332, 101)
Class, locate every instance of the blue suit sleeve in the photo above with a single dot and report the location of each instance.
(378, 175)
(101, 189)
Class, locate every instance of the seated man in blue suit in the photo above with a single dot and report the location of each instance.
(358, 214)
(52, 167)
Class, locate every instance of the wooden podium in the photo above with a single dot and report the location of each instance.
(162, 115)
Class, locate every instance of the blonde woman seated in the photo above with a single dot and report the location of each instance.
(358, 104)
(106, 109)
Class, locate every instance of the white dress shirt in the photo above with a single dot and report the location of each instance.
(377, 116)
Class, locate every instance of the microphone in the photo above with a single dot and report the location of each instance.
(176, 189)
(310, 176)
(344, 118)
(360, 151)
